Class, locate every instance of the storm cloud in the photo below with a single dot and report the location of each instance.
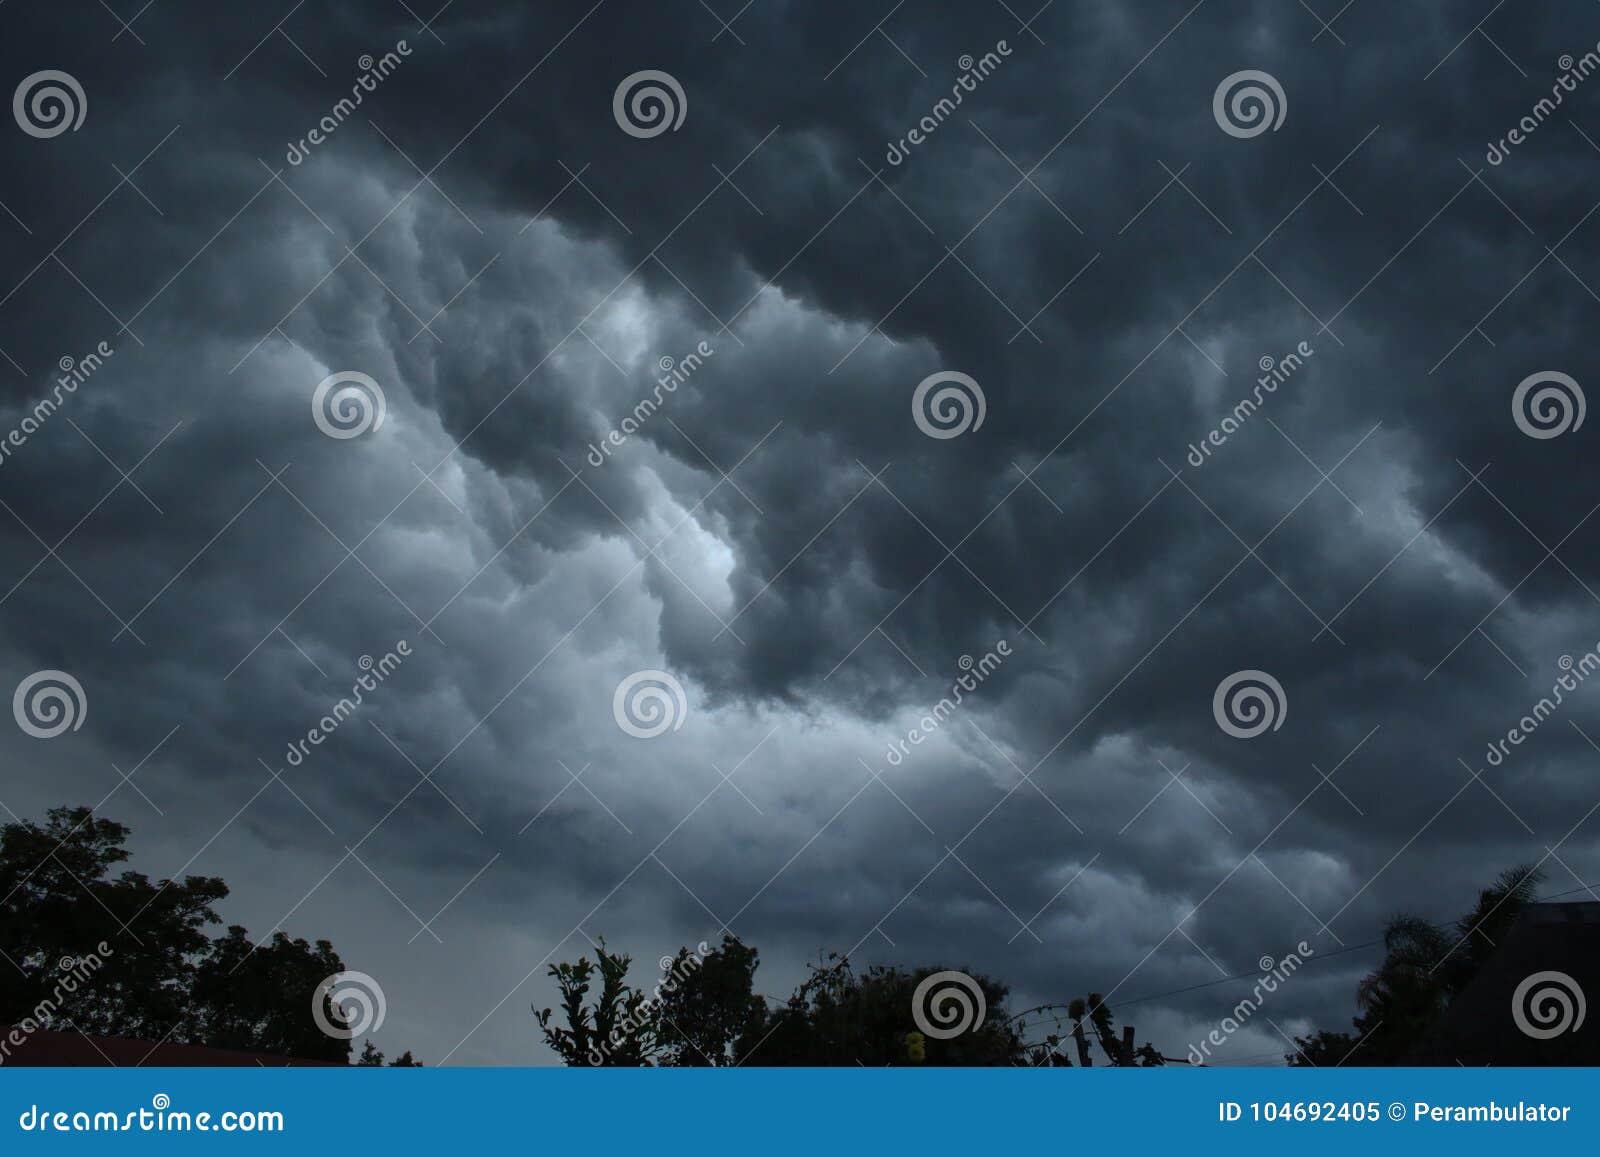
(734, 316)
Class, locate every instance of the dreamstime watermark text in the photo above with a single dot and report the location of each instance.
(376, 671)
(74, 372)
(160, 1117)
(1574, 673)
(1274, 373)
(73, 972)
(373, 72)
(1573, 73)
(976, 671)
(973, 73)
(674, 971)
(674, 372)
(1273, 973)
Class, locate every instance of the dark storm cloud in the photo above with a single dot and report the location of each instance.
(1113, 306)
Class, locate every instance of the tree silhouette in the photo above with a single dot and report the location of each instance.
(708, 1004)
(615, 1031)
(705, 1012)
(371, 1057)
(239, 996)
(122, 955)
(60, 901)
(837, 1017)
(1424, 967)
(708, 1014)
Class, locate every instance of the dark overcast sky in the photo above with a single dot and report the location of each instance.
(1080, 237)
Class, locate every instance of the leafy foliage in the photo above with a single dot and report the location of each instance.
(837, 1017)
(371, 1057)
(708, 1013)
(60, 900)
(615, 1031)
(161, 977)
(239, 993)
(702, 1018)
(1424, 968)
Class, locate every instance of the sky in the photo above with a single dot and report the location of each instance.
(664, 406)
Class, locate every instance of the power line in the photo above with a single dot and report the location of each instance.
(1253, 973)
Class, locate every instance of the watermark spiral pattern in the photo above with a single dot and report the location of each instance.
(649, 103)
(1547, 404)
(649, 703)
(947, 1004)
(49, 103)
(1548, 1004)
(48, 703)
(952, 411)
(359, 999)
(1248, 103)
(354, 408)
(1247, 703)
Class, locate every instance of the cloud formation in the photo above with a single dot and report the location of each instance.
(1080, 237)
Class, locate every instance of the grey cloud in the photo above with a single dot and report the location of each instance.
(850, 601)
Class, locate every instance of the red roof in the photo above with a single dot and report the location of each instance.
(46, 1047)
